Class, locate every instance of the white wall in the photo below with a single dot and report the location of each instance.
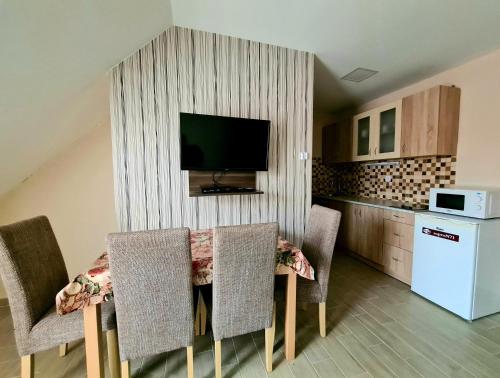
(53, 56)
(478, 156)
(75, 191)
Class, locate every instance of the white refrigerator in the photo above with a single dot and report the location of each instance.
(456, 263)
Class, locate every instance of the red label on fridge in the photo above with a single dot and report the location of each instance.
(440, 234)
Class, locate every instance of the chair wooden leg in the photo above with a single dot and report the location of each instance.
(218, 359)
(197, 317)
(113, 353)
(28, 366)
(322, 319)
(125, 369)
(93, 341)
(270, 333)
(190, 364)
(203, 316)
(63, 350)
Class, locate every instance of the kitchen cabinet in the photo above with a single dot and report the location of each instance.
(337, 142)
(381, 237)
(398, 234)
(398, 263)
(377, 133)
(399, 216)
(430, 122)
(360, 230)
(398, 244)
(362, 140)
(351, 226)
(370, 227)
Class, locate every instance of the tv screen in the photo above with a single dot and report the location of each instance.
(213, 143)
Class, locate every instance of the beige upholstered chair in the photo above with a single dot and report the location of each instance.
(243, 284)
(152, 287)
(318, 246)
(33, 272)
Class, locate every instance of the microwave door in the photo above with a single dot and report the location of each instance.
(449, 201)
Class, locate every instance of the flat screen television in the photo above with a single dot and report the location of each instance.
(214, 143)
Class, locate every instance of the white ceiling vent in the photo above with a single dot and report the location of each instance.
(359, 74)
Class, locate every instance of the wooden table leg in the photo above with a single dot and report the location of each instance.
(291, 308)
(63, 350)
(93, 341)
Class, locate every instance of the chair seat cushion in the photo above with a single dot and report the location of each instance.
(308, 291)
(53, 329)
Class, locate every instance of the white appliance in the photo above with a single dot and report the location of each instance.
(456, 262)
(469, 202)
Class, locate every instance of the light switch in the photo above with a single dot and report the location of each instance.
(303, 155)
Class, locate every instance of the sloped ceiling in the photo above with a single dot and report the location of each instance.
(54, 55)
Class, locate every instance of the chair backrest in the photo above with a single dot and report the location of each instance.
(243, 278)
(151, 273)
(33, 271)
(319, 243)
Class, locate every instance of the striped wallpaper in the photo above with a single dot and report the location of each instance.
(185, 70)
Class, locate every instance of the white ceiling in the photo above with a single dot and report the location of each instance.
(54, 54)
(406, 40)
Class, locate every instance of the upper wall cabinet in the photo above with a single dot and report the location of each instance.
(430, 122)
(377, 133)
(337, 145)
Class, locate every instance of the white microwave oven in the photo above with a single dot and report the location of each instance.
(469, 202)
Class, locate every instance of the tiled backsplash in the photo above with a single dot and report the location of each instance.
(410, 181)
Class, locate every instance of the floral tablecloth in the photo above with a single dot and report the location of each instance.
(94, 286)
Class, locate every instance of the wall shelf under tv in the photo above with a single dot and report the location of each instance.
(200, 194)
(197, 179)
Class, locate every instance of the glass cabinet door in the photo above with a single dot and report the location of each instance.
(387, 131)
(363, 147)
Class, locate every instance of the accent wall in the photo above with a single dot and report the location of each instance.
(185, 70)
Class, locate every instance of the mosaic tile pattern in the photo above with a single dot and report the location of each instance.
(410, 181)
(322, 177)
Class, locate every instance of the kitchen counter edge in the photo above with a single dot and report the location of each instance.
(380, 203)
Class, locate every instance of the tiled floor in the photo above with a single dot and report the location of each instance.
(376, 327)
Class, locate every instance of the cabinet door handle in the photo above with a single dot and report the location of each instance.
(404, 147)
(370, 151)
(395, 234)
(395, 259)
(396, 216)
(375, 151)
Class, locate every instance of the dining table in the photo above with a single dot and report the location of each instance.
(90, 289)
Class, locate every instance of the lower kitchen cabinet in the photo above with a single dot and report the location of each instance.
(361, 228)
(370, 227)
(351, 219)
(382, 238)
(397, 263)
(398, 234)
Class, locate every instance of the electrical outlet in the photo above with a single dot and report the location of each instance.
(303, 155)
(388, 178)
